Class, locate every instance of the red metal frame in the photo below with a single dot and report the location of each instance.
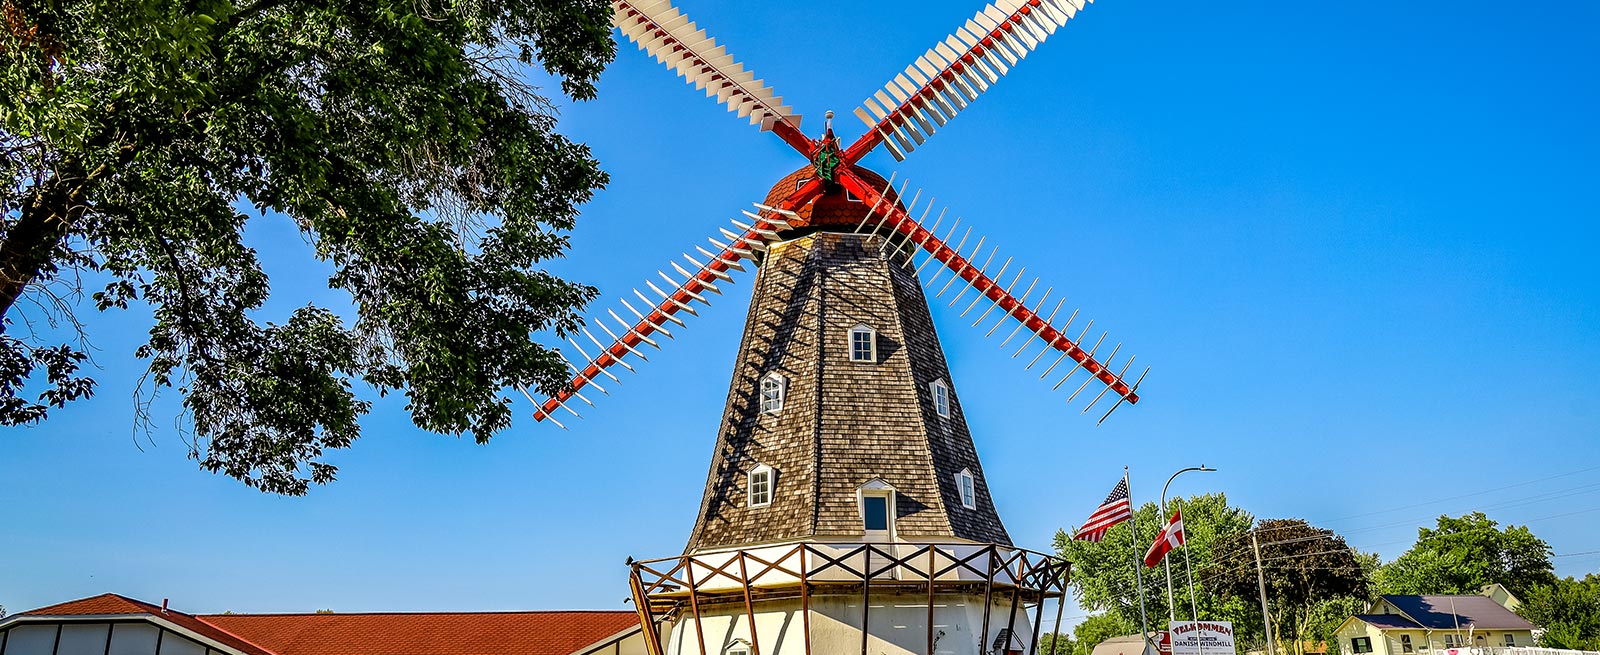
(667, 587)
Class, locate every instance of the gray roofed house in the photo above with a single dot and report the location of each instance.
(1452, 612)
(1424, 624)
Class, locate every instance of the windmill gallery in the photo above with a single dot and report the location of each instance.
(846, 509)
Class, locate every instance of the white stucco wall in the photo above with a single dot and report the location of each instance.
(897, 625)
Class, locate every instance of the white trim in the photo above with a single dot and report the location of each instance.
(967, 489)
(938, 390)
(877, 488)
(872, 344)
(17, 619)
(761, 392)
(750, 485)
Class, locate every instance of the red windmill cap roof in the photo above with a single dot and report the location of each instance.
(833, 207)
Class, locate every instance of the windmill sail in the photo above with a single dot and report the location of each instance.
(669, 294)
(955, 71)
(661, 30)
(996, 291)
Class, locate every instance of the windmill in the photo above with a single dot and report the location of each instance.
(845, 508)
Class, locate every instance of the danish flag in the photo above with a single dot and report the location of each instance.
(1171, 537)
(1115, 510)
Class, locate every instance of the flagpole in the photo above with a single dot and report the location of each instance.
(1193, 606)
(1138, 563)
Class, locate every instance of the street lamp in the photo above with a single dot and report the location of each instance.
(1172, 612)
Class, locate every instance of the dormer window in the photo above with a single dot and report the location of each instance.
(773, 387)
(875, 499)
(863, 344)
(967, 488)
(759, 487)
(941, 397)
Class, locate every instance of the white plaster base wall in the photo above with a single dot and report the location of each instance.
(898, 625)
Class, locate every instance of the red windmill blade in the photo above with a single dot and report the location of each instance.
(898, 219)
(663, 31)
(946, 78)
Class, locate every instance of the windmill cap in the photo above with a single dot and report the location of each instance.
(834, 208)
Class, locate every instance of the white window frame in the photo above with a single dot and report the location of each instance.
(1406, 645)
(967, 489)
(1511, 640)
(872, 344)
(770, 475)
(941, 397)
(737, 648)
(782, 393)
(1356, 644)
(876, 488)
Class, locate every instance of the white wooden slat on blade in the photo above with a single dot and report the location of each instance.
(1035, 30)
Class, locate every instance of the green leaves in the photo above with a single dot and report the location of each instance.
(1462, 555)
(1568, 610)
(393, 134)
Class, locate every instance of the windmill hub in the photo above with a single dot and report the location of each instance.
(835, 208)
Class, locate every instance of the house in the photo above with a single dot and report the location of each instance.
(1404, 625)
(110, 624)
(1134, 644)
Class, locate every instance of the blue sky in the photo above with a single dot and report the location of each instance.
(1354, 241)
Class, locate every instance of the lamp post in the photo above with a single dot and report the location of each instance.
(1172, 612)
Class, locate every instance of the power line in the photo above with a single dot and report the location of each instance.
(1467, 495)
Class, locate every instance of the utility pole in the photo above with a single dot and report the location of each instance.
(1261, 585)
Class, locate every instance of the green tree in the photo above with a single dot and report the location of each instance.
(1053, 643)
(1100, 627)
(1103, 574)
(1463, 555)
(1306, 570)
(1568, 610)
(401, 138)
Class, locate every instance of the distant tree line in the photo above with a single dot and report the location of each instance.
(1314, 579)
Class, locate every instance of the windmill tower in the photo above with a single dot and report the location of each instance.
(845, 509)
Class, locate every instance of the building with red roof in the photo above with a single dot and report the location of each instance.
(110, 624)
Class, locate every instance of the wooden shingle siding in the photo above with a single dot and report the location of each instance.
(843, 423)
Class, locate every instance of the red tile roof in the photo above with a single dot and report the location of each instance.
(114, 604)
(465, 633)
(397, 633)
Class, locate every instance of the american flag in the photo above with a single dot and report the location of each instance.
(1115, 510)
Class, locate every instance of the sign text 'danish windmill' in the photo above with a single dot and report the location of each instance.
(901, 116)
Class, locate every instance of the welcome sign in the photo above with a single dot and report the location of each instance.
(1202, 638)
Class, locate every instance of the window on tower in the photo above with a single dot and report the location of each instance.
(760, 486)
(773, 387)
(941, 397)
(875, 513)
(967, 488)
(863, 344)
